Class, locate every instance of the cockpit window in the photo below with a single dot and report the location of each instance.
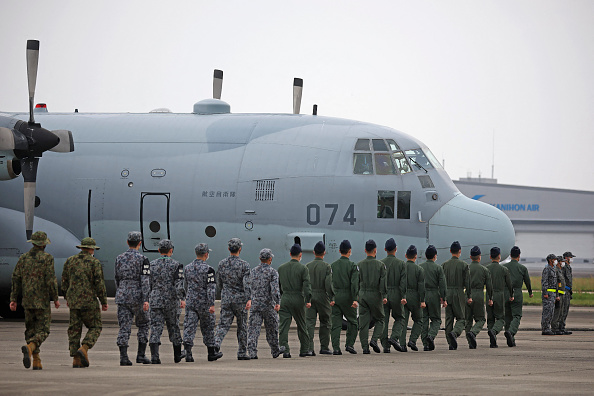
(393, 145)
(362, 164)
(362, 144)
(383, 164)
(401, 162)
(379, 145)
(432, 158)
(418, 159)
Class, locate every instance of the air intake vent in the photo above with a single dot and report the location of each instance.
(264, 190)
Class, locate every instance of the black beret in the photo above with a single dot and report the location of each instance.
(495, 251)
(411, 251)
(345, 245)
(390, 244)
(295, 250)
(430, 252)
(515, 251)
(370, 245)
(319, 248)
(455, 248)
(475, 251)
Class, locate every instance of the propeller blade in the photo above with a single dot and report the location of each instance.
(297, 92)
(32, 62)
(29, 170)
(66, 144)
(217, 84)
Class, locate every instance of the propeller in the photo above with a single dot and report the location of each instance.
(297, 93)
(28, 140)
(217, 84)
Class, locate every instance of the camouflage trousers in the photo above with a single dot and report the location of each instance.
(228, 312)
(548, 307)
(160, 317)
(566, 301)
(207, 326)
(91, 318)
(126, 314)
(558, 314)
(37, 325)
(270, 318)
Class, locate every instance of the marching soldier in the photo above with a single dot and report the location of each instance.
(559, 303)
(396, 288)
(264, 304)
(372, 297)
(568, 275)
(295, 289)
(322, 299)
(416, 300)
(480, 277)
(513, 309)
(495, 312)
(435, 297)
(345, 281)
(459, 294)
(200, 289)
(34, 278)
(231, 276)
(167, 289)
(549, 294)
(83, 284)
(133, 286)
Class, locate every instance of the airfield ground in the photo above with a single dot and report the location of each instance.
(538, 365)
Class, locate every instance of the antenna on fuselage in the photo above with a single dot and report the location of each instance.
(297, 93)
(217, 84)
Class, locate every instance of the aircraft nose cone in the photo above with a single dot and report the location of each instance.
(471, 222)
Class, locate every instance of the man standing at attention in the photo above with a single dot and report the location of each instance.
(559, 302)
(568, 275)
(501, 281)
(549, 294)
(231, 276)
(295, 289)
(435, 297)
(396, 288)
(34, 278)
(83, 284)
(513, 309)
(480, 277)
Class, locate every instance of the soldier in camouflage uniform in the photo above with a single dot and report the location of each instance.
(568, 275)
(34, 278)
(396, 286)
(82, 285)
(435, 295)
(559, 303)
(480, 277)
(415, 303)
(231, 276)
(513, 309)
(322, 299)
(133, 286)
(200, 289)
(549, 294)
(495, 313)
(264, 304)
(167, 289)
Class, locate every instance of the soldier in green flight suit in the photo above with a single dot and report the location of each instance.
(396, 287)
(513, 309)
(458, 296)
(34, 279)
(501, 280)
(416, 299)
(435, 297)
(345, 281)
(83, 284)
(372, 296)
(295, 289)
(322, 299)
(480, 277)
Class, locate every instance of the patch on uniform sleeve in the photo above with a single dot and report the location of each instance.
(357, 267)
(180, 272)
(146, 267)
(210, 278)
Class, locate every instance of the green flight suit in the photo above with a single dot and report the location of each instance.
(372, 291)
(415, 296)
(320, 275)
(295, 288)
(501, 280)
(345, 282)
(396, 288)
(457, 278)
(480, 277)
(513, 309)
(435, 292)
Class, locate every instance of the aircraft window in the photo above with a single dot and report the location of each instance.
(362, 164)
(403, 204)
(385, 204)
(401, 163)
(383, 165)
(432, 158)
(362, 144)
(418, 159)
(393, 145)
(379, 145)
(426, 181)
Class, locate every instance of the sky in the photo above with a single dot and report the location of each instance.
(481, 83)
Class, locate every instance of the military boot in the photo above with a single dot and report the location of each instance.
(177, 353)
(141, 354)
(155, 354)
(27, 352)
(189, 357)
(36, 362)
(83, 354)
(124, 361)
(213, 354)
(76, 363)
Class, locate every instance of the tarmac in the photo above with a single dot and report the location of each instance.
(538, 365)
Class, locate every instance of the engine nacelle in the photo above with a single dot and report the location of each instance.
(10, 167)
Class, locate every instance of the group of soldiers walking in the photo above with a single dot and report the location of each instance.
(152, 294)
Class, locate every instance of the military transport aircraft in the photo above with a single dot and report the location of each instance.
(207, 176)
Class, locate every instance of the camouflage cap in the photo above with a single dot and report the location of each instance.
(165, 244)
(568, 254)
(201, 249)
(88, 243)
(266, 254)
(134, 236)
(234, 244)
(552, 257)
(39, 238)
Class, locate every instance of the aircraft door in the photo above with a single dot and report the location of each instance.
(154, 219)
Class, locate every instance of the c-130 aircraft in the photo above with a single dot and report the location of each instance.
(270, 179)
